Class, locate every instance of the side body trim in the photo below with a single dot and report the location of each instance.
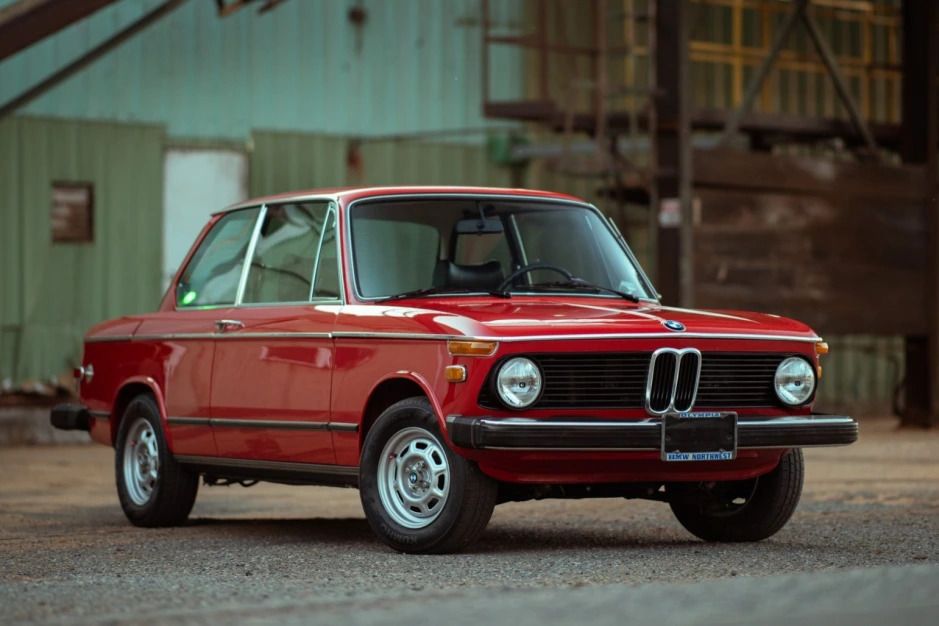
(272, 424)
(276, 466)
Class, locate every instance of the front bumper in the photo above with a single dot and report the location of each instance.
(584, 434)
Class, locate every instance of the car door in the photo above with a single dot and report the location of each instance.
(274, 358)
(181, 342)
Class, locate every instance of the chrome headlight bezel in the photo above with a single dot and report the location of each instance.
(795, 381)
(512, 371)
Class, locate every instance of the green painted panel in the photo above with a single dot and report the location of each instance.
(282, 162)
(62, 289)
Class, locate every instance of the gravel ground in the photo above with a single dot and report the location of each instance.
(298, 553)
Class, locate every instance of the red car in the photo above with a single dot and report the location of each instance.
(445, 350)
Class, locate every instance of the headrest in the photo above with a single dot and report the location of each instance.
(485, 277)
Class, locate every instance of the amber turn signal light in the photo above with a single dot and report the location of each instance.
(821, 348)
(455, 373)
(461, 347)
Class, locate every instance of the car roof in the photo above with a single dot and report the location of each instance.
(345, 195)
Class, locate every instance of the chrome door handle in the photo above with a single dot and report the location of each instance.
(223, 326)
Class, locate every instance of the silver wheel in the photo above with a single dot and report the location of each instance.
(413, 477)
(141, 462)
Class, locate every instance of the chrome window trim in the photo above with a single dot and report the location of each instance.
(319, 250)
(632, 257)
(300, 197)
(257, 305)
(174, 285)
(249, 255)
(242, 282)
(347, 238)
(444, 337)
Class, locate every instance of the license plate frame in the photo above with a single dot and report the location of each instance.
(699, 436)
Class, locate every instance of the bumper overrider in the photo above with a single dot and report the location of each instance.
(639, 435)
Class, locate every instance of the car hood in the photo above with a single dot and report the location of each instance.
(522, 317)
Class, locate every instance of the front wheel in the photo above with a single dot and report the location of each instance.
(419, 496)
(153, 488)
(744, 510)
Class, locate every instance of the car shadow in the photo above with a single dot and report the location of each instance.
(496, 539)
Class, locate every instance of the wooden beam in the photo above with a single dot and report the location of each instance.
(88, 58)
(25, 22)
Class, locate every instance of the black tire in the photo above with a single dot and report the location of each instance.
(739, 511)
(174, 490)
(469, 503)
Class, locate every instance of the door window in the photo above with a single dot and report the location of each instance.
(213, 274)
(284, 260)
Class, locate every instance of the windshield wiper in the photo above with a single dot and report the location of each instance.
(580, 283)
(433, 291)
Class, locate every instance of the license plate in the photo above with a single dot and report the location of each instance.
(699, 436)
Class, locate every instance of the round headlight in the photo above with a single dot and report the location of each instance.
(518, 383)
(794, 381)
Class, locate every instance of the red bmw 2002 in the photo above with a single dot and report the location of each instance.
(445, 350)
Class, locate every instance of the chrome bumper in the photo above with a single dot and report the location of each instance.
(490, 433)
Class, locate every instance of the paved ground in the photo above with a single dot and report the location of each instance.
(295, 554)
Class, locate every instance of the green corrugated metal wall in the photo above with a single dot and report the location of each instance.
(51, 293)
(861, 374)
(413, 66)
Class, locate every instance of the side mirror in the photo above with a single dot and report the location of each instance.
(479, 226)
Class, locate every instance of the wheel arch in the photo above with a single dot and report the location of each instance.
(394, 388)
(130, 389)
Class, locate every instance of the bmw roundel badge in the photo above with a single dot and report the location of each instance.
(673, 325)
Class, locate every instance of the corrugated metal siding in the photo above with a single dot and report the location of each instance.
(285, 161)
(414, 67)
(861, 374)
(51, 293)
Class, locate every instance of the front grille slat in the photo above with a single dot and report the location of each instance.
(617, 380)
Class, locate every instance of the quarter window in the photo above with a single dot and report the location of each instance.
(326, 285)
(213, 274)
(284, 260)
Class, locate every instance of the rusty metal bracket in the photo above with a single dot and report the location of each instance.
(88, 58)
(799, 13)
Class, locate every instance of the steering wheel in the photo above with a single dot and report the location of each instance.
(531, 267)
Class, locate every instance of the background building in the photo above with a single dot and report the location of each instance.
(107, 176)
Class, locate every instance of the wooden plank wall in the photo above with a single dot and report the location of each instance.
(841, 246)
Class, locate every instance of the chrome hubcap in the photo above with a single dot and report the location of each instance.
(141, 462)
(413, 478)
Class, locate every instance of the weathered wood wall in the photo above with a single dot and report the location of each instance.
(835, 244)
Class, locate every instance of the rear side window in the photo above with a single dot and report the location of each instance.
(285, 255)
(213, 274)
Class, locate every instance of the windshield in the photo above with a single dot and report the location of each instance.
(474, 245)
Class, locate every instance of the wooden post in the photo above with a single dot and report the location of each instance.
(920, 136)
(674, 266)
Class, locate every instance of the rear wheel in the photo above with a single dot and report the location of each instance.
(154, 490)
(418, 495)
(745, 510)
